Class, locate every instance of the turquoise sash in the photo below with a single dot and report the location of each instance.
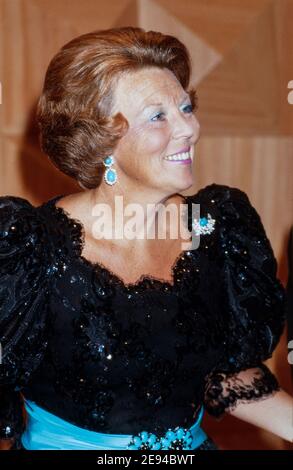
(45, 431)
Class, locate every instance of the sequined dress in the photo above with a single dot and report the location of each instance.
(118, 358)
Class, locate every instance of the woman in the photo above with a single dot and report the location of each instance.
(117, 342)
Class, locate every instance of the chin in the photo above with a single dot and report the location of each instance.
(184, 184)
(186, 181)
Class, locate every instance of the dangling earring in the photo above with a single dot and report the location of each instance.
(110, 175)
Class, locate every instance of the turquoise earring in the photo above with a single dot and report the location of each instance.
(110, 175)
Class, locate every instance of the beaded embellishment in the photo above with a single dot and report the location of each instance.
(179, 439)
(203, 225)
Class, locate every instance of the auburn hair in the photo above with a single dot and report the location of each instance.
(77, 129)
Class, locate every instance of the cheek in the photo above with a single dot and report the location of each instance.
(150, 140)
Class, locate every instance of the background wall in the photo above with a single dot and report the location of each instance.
(242, 63)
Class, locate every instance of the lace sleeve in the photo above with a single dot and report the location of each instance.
(254, 306)
(224, 391)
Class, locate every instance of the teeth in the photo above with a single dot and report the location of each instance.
(179, 156)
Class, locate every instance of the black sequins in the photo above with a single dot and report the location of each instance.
(120, 358)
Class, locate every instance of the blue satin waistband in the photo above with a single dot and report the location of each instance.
(45, 431)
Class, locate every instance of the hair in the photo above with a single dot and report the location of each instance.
(77, 129)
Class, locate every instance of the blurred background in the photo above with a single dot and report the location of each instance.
(241, 53)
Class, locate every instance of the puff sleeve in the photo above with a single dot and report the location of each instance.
(23, 289)
(25, 261)
(253, 308)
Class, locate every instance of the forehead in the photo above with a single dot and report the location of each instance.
(147, 84)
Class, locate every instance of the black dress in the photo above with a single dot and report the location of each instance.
(118, 358)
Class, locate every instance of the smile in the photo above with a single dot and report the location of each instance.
(179, 158)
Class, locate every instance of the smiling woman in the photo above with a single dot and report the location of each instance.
(157, 136)
(123, 344)
(79, 120)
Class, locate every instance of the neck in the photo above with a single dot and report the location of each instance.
(148, 203)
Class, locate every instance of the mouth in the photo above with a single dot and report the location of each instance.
(182, 157)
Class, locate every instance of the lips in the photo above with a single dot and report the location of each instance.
(186, 149)
(180, 162)
(180, 157)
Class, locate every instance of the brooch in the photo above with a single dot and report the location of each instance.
(177, 440)
(203, 225)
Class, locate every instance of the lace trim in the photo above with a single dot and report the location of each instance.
(224, 391)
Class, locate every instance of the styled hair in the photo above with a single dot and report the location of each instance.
(74, 117)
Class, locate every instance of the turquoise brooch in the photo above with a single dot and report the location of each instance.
(203, 225)
(179, 439)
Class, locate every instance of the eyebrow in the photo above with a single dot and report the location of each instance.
(159, 104)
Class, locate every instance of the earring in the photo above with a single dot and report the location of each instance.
(110, 175)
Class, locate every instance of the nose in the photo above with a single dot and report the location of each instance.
(185, 126)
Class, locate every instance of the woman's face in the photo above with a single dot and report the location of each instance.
(161, 124)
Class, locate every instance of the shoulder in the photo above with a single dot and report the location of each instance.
(10, 205)
(32, 235)
(20, 217)
(226, 206)
(240, 236)
(221, 195)
(19, 220)
(230, 206)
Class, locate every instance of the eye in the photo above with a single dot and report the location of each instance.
(189, 108)
(153, 118)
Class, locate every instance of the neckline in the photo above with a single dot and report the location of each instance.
(77, 239)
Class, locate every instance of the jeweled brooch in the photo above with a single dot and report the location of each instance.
(179, 439)
(203, 225)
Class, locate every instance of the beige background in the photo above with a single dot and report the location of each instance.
(242, 63)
